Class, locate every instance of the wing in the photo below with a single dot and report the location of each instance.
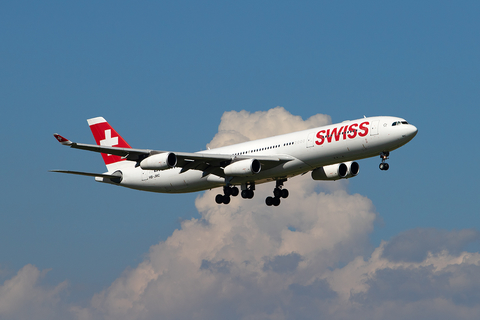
(208, 162)
(126, 153)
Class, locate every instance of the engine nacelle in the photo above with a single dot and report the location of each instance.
(336, 171)
(161, 161)
(247, 167)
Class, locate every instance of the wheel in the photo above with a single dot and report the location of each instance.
(227, 191)
(276, 202)
(234, 191)
(269, 201)
(226, 199)
(386, 167)
(277, 192)
(381, 166)
(219, 198)
(284, 193)
(247, 194)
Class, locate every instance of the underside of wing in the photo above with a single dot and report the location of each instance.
(215, 162)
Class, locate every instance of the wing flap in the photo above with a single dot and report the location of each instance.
(217, 158)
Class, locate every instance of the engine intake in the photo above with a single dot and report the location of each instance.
(161, 161)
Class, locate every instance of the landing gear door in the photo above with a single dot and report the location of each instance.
(374, 128)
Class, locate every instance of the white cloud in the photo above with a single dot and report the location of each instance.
(236, 127)
(250, 261)
(309, 258)
(22, 297)
(415, 244)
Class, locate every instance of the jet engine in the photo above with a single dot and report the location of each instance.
(161, 161)
(247, 167)
(336, 171)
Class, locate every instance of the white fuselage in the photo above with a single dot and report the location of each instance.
(308, 149)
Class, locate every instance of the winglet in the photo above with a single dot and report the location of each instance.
(62, 140)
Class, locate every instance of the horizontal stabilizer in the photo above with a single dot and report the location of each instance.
(89, 174)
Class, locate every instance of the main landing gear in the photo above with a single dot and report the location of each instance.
(247, 190)
(247, 193)
(278, 193)
(227, 192)
(384, 155)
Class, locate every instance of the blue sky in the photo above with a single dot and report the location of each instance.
(164, 73)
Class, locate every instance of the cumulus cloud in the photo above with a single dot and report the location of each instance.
(302, 260)
(309, 258)
(237, 127)
(283, 263)
(415, 244)
(247, 260)
(22, 297)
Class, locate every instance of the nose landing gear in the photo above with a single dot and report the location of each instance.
(278, 193)
(384, 155)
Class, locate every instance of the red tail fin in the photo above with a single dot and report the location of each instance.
(105, 135)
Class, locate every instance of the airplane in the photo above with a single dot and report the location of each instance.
(328, 152)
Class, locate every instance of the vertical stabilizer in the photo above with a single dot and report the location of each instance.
(105, 135)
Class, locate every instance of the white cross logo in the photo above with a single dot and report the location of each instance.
(109, 141)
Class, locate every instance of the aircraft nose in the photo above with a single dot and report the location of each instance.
(412, 131)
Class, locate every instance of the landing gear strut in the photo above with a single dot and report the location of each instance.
(278, 193)
(384, 155)
(247, 190)
(225, 197)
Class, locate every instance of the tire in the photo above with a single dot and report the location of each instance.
(219, 199)
(277, 192)
(234, 191)
(226, 199)
(386, 167)
(269, 201)
(285, 193)
(276, 202)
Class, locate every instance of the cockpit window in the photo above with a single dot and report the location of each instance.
(396, 123)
